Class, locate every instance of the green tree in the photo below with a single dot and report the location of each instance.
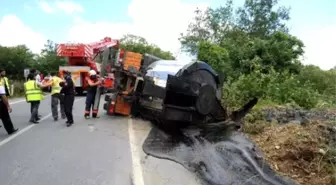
(140, 45)
(254, 33)
(214, 55)
(258, 17)
(47, 61)
(15, 59)
(210, 25)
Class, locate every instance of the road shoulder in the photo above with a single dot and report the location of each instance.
(155, 171)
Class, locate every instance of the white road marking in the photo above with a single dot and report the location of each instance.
(137, 176)
(91, 128)
(19, 101)
(23, 100)
(21, 131)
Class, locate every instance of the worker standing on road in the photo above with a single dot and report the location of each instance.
(56, 96)
(68, 89)
(34, 95)
(7, 87)
(37, 77)
(5, 108)
(93, 82)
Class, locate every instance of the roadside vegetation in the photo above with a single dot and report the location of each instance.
(294, 121)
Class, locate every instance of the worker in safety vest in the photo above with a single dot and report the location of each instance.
(3, 76)
(93, 82)
(34, 95)
(53, 81)
(5, 108)
(68, 89)
(37, 77)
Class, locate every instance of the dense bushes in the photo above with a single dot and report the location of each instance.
(308, 89)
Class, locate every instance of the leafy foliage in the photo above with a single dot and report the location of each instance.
(47, 61)
(140, 45)
(253, 47)
(15, 59)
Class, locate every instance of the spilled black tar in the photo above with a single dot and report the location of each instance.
(216, 154)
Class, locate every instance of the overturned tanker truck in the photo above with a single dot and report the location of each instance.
(190, 96)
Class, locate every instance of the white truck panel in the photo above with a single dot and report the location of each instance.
(75, 73)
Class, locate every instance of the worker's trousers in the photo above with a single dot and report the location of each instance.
(31, 110)
(34, 106)
(5, 118)
(68, 105)
(55, 98)
(89, 103)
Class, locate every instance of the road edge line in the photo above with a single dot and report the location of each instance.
(24, 100)
(19, 101)
(137, 176)
(21, 131)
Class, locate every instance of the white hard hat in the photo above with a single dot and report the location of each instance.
(92, 72)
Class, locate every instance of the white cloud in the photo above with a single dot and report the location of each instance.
(67, 7)
(46, 7)
(159, 21)
(13, 32)
(319, 45)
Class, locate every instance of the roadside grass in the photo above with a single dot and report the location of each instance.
(17, 88)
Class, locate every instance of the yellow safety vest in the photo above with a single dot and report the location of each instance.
(4, 82)
(55, 87)
(7, 84)
(33, 92)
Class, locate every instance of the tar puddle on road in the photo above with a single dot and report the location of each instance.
(217, 157)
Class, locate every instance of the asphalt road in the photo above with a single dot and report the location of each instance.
(104, 151)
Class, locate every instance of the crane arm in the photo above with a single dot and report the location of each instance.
(107, 42)
(85, 50)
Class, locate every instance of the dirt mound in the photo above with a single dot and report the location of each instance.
(304, 153)
(286, 114)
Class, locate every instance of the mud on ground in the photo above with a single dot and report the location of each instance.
(302, 147)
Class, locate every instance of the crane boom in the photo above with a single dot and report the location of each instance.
(107, 42)
(85, 50)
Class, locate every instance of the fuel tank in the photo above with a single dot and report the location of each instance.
(191, 96)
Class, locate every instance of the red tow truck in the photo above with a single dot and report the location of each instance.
(81, 59)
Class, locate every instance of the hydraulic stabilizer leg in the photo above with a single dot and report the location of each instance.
(96, 102)
(105, 61)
